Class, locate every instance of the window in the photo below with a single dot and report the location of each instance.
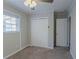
(11, 23)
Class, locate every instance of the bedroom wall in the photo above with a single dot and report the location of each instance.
(15, 41)
(72, 13)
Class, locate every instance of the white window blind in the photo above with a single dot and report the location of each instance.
(11, 23)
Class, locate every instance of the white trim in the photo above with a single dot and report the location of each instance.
(50, 47)
(20, 40)
(20, 31)
(15, 52)
(43, 47)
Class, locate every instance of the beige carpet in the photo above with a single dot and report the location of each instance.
(42, 53)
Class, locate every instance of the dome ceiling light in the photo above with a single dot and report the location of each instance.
(30, 3)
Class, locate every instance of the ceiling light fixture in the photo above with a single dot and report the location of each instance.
(31, 3)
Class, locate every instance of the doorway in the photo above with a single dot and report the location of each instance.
(61, 32)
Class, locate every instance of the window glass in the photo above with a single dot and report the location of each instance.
(10, 23)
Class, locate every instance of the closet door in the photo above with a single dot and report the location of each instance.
(39, 32)
(61, 32)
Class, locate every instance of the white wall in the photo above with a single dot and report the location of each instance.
(10, 43)
(13, 42)
(29, 30)
(72, 13)
(50, 15)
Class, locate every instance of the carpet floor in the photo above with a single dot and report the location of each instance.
(42, 53)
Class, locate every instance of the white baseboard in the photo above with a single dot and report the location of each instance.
(43, 47)
(15, 52)
(50, 47)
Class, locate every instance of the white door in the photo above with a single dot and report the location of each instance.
(61, 32)
(39, 32)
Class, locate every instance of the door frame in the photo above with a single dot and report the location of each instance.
(54, 30)
(69, 18)
(55, 19)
